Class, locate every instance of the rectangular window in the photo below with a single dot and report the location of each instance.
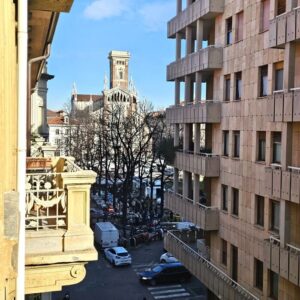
(276, 147)
(263, 81)
(226, 143)
(224, 252)
(261, 143)
(229, 31)
(224, 197)
(235, 201)
(240, 27)
(227, 88)
(238, 85)
(259, 273)
(274, 285)
(236, 144)
(234, 263)
(275, 211)
(278, 76)
(260, 210)
(265, 15)
(281, 7)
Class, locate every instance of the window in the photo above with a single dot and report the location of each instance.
(236, 144)
(278, 76)
(57, 131)
(235, 201)
(238, 86)
(263, 72)
(120, 75)
(275, 210)
(224, 197)
(265, 15)
(274, 285)
(261, 153)
(260, 210)
(234, 263)
(226, 143)
(259, 273)
(276, 147)
(240, 27)
(227, 88)
(229, 31)
(281, 7)
(224, 252)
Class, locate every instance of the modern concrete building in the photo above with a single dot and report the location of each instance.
(242, 187)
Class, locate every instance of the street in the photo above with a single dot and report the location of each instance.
(103, 281)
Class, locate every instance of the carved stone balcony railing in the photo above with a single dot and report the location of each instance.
(57, 222)
(204, 9)
(201, 163)
(285, 28)
(284, 261)
(207, 218)
(283, 184)
(284, 106)
(207, 59)
(195, 112)
(210, 275)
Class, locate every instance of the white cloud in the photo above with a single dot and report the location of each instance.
(155, 15)
(101, 9)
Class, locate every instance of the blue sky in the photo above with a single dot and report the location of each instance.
(86, 35)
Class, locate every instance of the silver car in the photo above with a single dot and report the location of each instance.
(117, 256)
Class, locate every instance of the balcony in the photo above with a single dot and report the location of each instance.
(58, 235)
(285, 28)
(283, 261)
(212, 277)
(285, 106)
(207, 9)
(207, 218)
(195, 112)
(283, 184)
(207, 59)
(204, 164)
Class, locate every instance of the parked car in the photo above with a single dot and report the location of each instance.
(165, 273)
(168, 258)
(117, 256)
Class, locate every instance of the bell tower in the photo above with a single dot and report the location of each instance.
(119, 63)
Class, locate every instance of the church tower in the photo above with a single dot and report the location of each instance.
(119, 61)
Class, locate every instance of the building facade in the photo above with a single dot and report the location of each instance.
(242, 186)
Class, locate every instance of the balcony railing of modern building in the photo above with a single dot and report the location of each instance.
(284, 106)
(206, 217)
(205, 164)
(210, 275)
(283, 184)
(200, 9)
(206, 59)
(207, 111)
(283, 260)
(285, 28)
(57, 222)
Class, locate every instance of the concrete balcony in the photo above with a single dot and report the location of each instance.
(200, 9)
(284, 106)
(57, 224)
(284, 261)
(204, 164)
(195, 112)
(285, 28)
(283, 184)
(210, 275)
(207, 218)
(207, 59)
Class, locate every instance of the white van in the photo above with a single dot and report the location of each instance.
(106, 234)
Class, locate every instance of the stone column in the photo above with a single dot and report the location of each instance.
(290, 4)
(199, 34)
(177, 91)
(198, 86)
(196, 188)
(188, 39)
(189, 2)
(188, 88)
(178, 46)
(186, 137)
(179, 6)
(286, 146)
(197, 138)
(186, 184)
(289, 66)
(176, 180)
(284, 221)
(176, 135)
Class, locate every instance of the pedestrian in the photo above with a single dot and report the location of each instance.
(67, 296)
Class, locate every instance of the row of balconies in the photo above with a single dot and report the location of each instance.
(207, 218)
(285, 28)
(211, 276)
(204, 164)
(283, 184)
(204, 9)
(285, 106)
(195, 112)
(206, 59)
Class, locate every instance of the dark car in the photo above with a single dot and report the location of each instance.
(165, 273)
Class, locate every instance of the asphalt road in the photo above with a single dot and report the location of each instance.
(103, 281)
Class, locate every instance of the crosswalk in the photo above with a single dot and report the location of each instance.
(168, 292)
